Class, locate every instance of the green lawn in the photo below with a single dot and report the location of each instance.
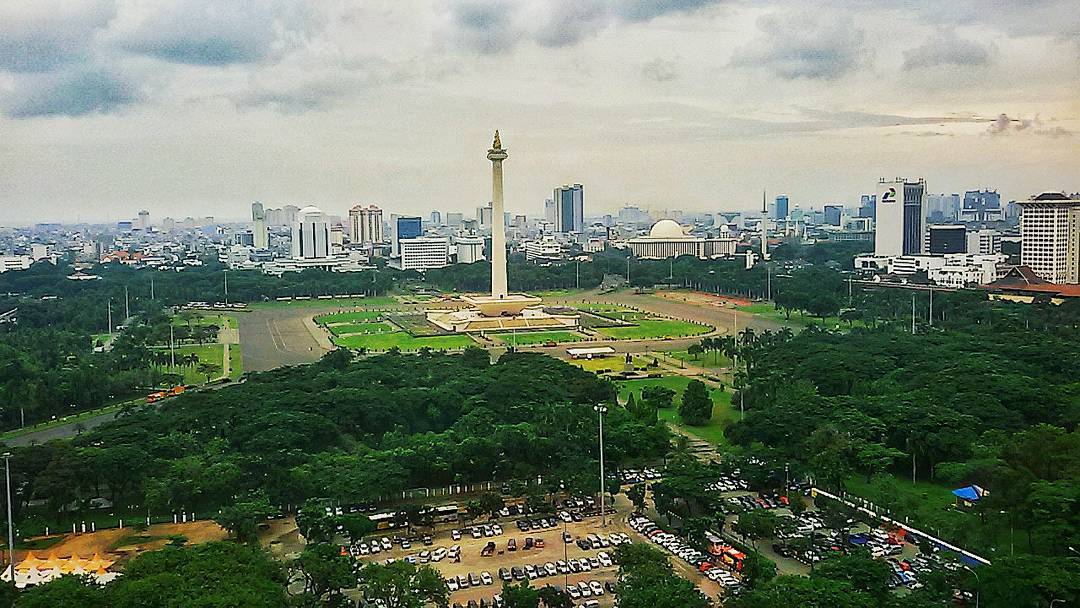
(723, 414)
(352, 316)
(798, 319)
(654, 328)
(236, 362)
(374, 302)
(207, 353)
(378, 327)
(537, 337)
(404, 341)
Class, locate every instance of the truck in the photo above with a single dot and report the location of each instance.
(488, 550)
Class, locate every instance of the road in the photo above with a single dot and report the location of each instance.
(274, 337)
(61, 431)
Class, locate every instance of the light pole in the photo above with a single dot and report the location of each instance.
(10, 524)
(978, 584)
(600, 411)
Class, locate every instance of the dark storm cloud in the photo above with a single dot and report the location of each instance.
(946, 48)
(76, 92)
(801, 45)
(207, 32)
(494, 26)
(43, 36)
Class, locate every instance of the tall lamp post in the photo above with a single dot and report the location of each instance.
(978, 584)
(10, 524)
(600, 411)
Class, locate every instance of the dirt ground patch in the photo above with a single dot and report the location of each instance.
(702, 298)
(114, 543)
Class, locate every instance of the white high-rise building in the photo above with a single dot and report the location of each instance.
(310, 234)
(423, 253)
(900, 219)
(365, 225)
(469, 249)
(1050, 236)
(144, 220)
(260, 238)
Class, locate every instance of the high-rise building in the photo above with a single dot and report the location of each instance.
(259, 237)
(946, 238)
(310, 234)
(144, 220)
(436, 218)
(868, 206)
(403, 227)
(290, 212)
(569, 208)
(483, 215)
(422, 253)
(549, 210)
(981, 206)
(781, 206)
(899, 222)
(941, 208)
(1050, 236)
(833, 214)
(365, 225)
(469, 249)
(986, 241)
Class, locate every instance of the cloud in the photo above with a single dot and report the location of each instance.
(946, 48)
(44, 35)
(660, 70)
(1005, 125)
(208, 32)
(75, 92)
(805, 45)
(496, 26)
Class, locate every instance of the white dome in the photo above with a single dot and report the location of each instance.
(309, 209)
(667, 229)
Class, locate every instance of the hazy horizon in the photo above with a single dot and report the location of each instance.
(197, 107)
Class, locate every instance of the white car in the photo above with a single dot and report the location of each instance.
(605, 559)
(497, 529)
(386, 545)
(485, 577)
(551, 570)
(477, 533)
(583, 587)
(455, 534)
(597, 588)
(451, 584)
(573, 592)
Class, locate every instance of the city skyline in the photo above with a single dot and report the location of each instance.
(693, 105)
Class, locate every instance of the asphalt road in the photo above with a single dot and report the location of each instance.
(60, 431)
(274, 337)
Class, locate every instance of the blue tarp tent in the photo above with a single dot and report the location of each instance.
(972, 493)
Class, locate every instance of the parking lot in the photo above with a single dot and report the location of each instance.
(573, 562)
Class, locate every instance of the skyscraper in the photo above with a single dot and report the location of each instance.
(942, 208)
(144, 220)
(549, 210)
(403, 227)
(781, 207)
(365, 224)
(981, 206)
(899, 224)
(260, 238)
(436, 218)
(569, 208)
(833, 214)
(868, 206)
(310, 234)
(1050, 236)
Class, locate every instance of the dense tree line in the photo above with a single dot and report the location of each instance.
(347, 431)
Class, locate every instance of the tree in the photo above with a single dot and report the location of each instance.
(860, 570)
(696, 406)
(661, 397)
(636, 494)
(64, 592)
(325, 572)
(491, 503)
(646, 580)
(243, 517)
(208, 370)
(356, 525)
(520, 595)
(553, 597)
(756, 525)
(314, 523)
(694, 350)
(787, 591)
(403, 585)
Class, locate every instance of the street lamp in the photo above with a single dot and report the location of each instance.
(978, 584)
(10, 525)
(600, 411)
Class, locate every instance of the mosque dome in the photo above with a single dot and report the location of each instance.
(667, 229)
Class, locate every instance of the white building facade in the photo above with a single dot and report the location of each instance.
(310, 234)
(423, 253)
(1050, 236)
(900, 219)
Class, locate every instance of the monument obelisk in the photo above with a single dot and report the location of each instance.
(498, 228)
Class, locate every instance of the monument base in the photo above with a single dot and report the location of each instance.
(517, 316)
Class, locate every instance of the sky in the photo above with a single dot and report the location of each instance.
(199, 107)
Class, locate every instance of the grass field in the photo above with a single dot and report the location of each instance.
(236, 362)
(404, 341)
(723, 414)
(798, 319)
(654, 328)
(374, 302)
(352, 316)
(213, 354)
(378, 327)
(524, 338)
